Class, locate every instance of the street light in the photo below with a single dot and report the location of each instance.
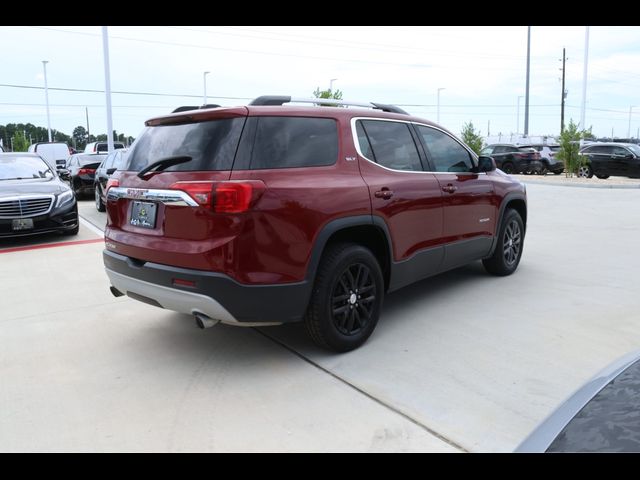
(205, 88)
(629, 129)
(331, 84)
(46, 97)
(518, 115)
(438, 111)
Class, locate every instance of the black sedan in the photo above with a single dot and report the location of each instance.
(82, 169)
(602, 416)
(33, 198)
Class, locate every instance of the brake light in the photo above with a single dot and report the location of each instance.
(112, 182)
(86, 171)
(223, 197)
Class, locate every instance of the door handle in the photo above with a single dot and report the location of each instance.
(385, 193)
(449, 188)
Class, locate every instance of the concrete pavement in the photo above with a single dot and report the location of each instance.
(463, 361)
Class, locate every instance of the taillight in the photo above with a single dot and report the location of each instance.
(86, 171)
(223, 197)
(112, 182)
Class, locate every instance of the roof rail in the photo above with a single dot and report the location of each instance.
(282, 99)
(186, 108)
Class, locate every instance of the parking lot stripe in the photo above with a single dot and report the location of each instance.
(51, 245)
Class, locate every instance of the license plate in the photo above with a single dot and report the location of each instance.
(143, 214)
(22, 224)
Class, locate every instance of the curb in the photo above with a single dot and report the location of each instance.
(576, 185)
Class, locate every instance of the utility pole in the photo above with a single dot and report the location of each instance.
(564, 94)
(107, 84)
(584, 78)
(86, 111)
(46, 96)
(526, 99)
(488, 128)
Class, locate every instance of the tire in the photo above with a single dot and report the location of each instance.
(346, 299)
(507, 167)
(506, 256)
(585, 171)
(544, 170)
(99, 203)
(557, 173)
(602, 177)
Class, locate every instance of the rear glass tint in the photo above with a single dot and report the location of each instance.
(211, 145)
(285, 142)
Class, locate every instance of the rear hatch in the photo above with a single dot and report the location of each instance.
(173, 203)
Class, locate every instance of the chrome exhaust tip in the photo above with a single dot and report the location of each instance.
(202, 321)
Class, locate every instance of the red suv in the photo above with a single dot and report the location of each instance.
(269, 213)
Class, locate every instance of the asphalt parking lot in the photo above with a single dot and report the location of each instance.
(459, 362)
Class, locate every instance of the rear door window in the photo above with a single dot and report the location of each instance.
(286, 142)
(392, 144)
(211, 145)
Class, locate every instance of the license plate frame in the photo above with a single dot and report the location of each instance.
(21, 224)
(143, 214)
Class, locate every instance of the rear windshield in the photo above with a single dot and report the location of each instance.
(554, 148)
(88, 159)
(526, 149)
(211, 145)
(285, 142)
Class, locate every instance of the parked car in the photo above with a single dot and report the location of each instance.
(101, 147)
(33, 198)
(54, 153)
(548, 158)
(605, 159)
(82, 168)
(601, 416)
(107, 168)
(264, 214)
(514, 158)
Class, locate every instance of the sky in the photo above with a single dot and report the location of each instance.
(481, 72)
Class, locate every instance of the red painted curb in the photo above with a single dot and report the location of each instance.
(50, 245)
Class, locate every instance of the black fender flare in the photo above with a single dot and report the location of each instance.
(503, 205)
(335, 226)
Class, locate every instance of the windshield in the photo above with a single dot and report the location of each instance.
(635, 149)
(22, 168)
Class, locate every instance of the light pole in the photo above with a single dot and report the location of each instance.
(438, 110)
(107, 87)
(331, 84)
(46, 97)
(518, 114)
(204, 97)
(629, 129)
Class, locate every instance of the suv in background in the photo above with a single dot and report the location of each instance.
(548, 158)
(101, 147)
(605, 159)
(268, 214)
(512, 158)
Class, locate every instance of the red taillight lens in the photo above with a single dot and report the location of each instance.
(201, 192)
(86, 171)
(232, 197)
(112, 182)
(223, 197)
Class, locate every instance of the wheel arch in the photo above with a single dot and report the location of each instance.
(366, 230)
(516, 201)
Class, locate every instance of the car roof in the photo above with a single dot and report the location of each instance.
(281, 110)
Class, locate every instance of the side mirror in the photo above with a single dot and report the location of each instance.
(64, 174)
(111, 171)
(486, 164)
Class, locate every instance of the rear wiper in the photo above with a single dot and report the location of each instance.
(163, 163)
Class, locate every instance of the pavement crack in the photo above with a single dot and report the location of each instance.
(364, 392)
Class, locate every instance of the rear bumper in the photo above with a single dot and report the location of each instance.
(214, 294)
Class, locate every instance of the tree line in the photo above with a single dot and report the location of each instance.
(15, 135)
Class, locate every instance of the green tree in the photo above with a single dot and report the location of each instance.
(20, 143)
(80, 137)
(336, 95)
(570, 147)
(472, 138)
